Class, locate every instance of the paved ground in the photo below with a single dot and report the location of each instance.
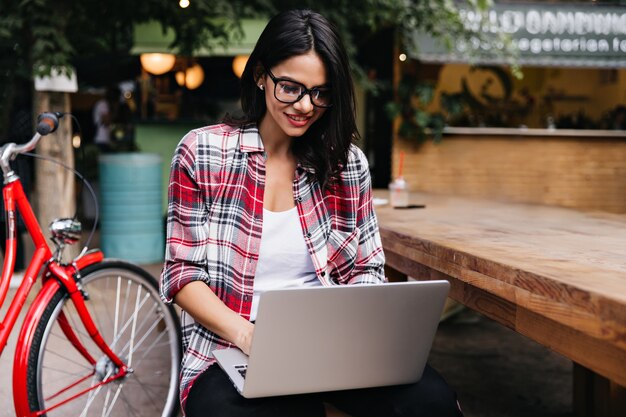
(496, 372)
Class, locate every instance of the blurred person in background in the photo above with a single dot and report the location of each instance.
(103, 114)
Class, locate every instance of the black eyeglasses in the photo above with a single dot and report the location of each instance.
(288, 91)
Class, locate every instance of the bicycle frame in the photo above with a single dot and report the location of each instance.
(62, 275)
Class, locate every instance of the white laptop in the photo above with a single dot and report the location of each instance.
(334, 338)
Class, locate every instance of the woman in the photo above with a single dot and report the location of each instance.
(280, 199)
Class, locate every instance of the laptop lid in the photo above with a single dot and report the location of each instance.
(342, 337)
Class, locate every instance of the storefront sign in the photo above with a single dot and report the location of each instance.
(553, 34)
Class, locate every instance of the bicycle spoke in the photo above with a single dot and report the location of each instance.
(117, 307)
(143, 387)
(117, 393)
(94, 393)
(95, 313)
(103, 300)
(69, 387)
(134, 326)
(63, 337)
(128, 405)
(132, 381)
(104, 295)
(66, 372)
(127, 293)
(91, 396)
(130, 320)
(106, 401)
(152, 346)
(78, 328)
(145, 320)
(72, 318)
(73, 362)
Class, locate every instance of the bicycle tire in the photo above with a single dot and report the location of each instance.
(150, 390)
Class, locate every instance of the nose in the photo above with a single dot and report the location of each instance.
(304, 105)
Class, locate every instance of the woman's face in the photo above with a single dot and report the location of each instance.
(293, 119)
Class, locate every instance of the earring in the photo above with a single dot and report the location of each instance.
(261, 87)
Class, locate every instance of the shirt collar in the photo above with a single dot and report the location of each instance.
(250, 141)
(310, 170)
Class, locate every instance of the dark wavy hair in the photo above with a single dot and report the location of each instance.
(325, 145)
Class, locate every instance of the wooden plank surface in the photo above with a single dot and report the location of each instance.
(555, 275)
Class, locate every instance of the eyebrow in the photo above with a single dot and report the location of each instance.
(327, 85)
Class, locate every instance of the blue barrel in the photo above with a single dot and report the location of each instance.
(131, 225)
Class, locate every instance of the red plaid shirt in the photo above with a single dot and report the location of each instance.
(215, 219)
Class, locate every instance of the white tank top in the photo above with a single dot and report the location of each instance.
(284, 260)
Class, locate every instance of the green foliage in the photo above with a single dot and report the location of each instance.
(60, 29)
(416, 122)
(52, 32)
(36, 35)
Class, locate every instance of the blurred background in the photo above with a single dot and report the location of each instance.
(516, 101)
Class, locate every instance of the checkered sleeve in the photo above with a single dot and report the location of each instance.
(187, 226)
(370, 259)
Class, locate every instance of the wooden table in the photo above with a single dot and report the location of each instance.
(555, 275)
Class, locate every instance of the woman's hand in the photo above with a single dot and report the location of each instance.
(243, 340)
(197, 299)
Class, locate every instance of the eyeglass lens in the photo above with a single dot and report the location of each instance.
(291, 91)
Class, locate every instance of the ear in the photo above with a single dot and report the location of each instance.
(259, 74)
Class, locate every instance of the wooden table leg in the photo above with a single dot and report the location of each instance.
(597, 396)
(393, 275)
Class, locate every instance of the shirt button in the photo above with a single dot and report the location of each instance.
(323, 273)
(299, 199)
(308, 234)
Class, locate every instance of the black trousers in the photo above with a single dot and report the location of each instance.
(213, 395)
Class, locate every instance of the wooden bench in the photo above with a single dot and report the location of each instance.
(555, 275)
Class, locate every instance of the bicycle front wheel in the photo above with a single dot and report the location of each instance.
(143, 331)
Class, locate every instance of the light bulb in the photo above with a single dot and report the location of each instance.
(157, 64)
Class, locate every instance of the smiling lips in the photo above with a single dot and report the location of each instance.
(298, 120)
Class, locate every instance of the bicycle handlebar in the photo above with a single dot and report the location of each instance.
(11, 150)
(46, 123)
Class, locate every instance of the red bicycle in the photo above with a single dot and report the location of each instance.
(97, 339)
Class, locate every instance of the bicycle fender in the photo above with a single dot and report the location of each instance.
(90, 258)
(23, 345)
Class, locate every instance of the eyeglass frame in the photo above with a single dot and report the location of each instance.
(305, 91)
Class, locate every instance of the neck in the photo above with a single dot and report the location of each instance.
(275, 142)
